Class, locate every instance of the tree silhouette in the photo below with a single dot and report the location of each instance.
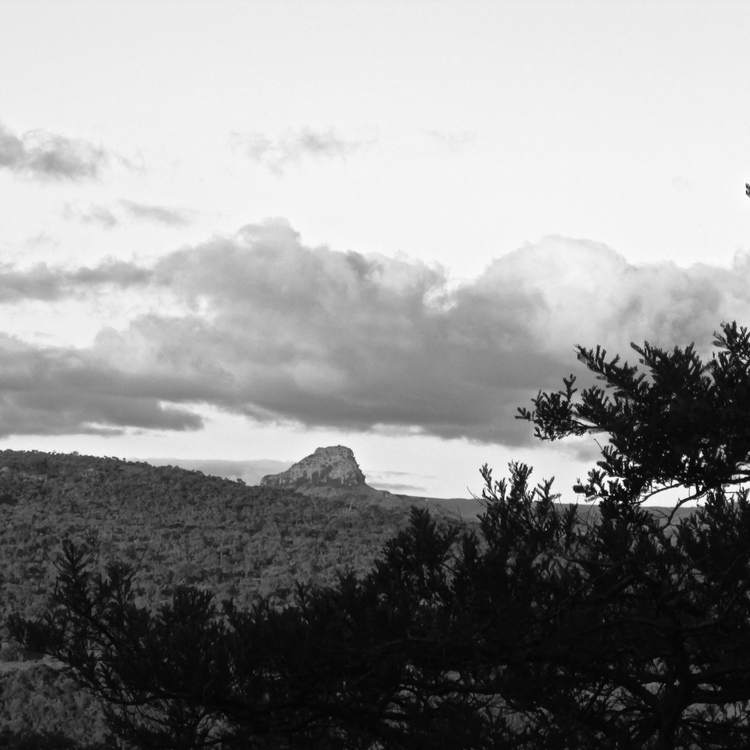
(545, 627)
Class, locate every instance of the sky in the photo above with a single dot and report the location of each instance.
(233, 232)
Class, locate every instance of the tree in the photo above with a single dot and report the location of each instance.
(546, 627)
(682, 425)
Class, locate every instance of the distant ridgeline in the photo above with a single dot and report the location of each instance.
(187, 527)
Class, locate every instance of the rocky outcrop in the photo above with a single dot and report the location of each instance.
(328, 472)
(327, 467)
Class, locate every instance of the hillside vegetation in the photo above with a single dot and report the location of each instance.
(177, 527)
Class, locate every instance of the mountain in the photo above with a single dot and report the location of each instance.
(328, 472)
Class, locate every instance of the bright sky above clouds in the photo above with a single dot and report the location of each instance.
(237, 231)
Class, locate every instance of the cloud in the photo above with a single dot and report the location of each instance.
(270, 328)
(62, 391)
(44, 155)
(296, 146)
(159, 214)
(49, 283)
(97, 214)
(452, 141)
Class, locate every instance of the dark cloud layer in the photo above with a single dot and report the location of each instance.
(276, 330)
(61, 391)
(48, 156)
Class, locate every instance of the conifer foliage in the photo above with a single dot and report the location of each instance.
(543, 628)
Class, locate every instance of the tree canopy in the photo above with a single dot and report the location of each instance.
(545, 627)
(681, 423)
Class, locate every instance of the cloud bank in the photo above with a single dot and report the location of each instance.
(44, 155)
(58, 391)
(267, 327)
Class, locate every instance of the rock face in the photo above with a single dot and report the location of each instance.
(333, 468)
